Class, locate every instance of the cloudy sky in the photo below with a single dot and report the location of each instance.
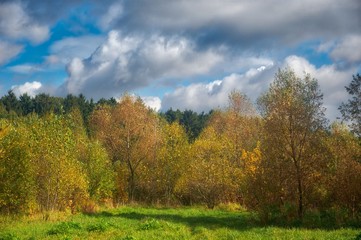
(182, 54)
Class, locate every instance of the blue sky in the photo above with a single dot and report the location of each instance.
(180, 54)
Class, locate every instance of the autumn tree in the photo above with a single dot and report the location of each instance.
(293, 124)
(209, 177)
(129, 132)
(160, 174)
(17, 188)
(351, 111)
(60, 178)
(93, 157)
(239, 123)
(100, 172)
(345, 170)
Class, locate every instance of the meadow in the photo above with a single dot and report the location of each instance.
(160, 223)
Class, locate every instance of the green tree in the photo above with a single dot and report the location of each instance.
(192, 122)
(293, 125)
(26, 103)
(11, 103)
(44, 104)
(351, 111)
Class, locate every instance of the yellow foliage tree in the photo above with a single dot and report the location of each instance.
(209, 177)
(129, 131)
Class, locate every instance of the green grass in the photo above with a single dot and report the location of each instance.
(152, 223)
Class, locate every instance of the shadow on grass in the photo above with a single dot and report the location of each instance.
(241, 221)
(210, 222)
(238, 221)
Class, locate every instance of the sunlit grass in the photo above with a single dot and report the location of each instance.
(159, 223)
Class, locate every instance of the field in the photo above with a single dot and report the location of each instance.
(159, 223)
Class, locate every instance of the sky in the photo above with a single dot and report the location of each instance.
(181, 54)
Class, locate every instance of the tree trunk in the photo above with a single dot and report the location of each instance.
(300, 194)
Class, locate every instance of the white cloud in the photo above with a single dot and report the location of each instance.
(348, 49)
(125, 63)
(17, 24)
(26, 68)
(203, 97)
(152, 102)
(66, 49)
(31, 88)
(8, 51)
(206, 96)
(325, 47)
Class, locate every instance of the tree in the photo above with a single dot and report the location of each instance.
(209, 176)
(60, 177)
(239, 123)
(99, 171)
(17, 186)
(345, 170)
(351, 111)
(159, 175)
(293, 125)
(128, 131)
(26, 103)
(11, 103)
(192, 122)
(44, 103)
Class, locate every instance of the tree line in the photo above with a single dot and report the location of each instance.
(280, 158)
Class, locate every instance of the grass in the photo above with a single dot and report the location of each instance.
(159, 223)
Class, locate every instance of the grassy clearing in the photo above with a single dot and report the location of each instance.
(162, 223)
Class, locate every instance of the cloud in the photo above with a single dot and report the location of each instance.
(31, 88)
(113, 14)
(66, 49)
(8, 51)
(15, 23)
(247, 23)
(348, 49)
(152, 102)
(206, 96)
(126, 63)
(26, 68)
